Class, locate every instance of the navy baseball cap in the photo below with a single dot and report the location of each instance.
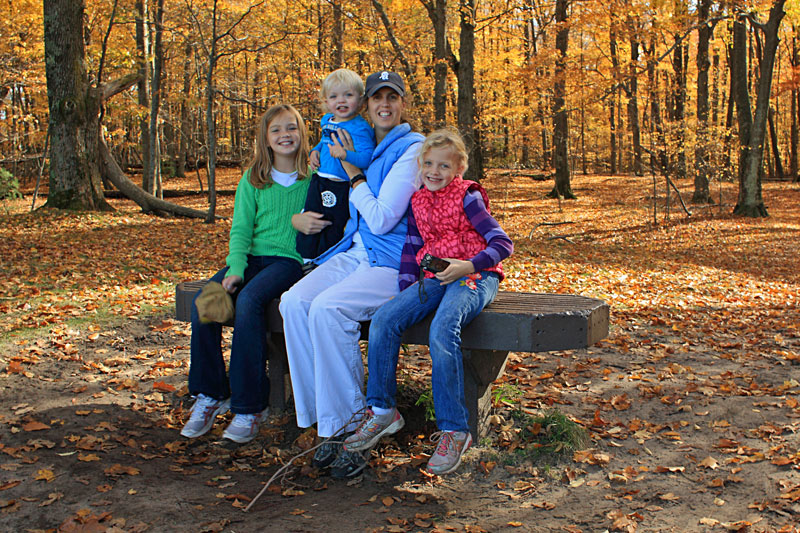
(383, 79)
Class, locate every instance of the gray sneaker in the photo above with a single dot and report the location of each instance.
(372, 428)
(450, 448)
(244, 428)
(327, 452)
(203, 413)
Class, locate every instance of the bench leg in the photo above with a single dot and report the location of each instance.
(277, 371)
(481, 368)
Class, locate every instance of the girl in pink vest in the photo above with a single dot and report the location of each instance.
(449, 219)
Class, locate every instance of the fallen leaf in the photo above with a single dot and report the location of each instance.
(35, 426)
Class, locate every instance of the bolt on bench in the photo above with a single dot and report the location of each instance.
(514, 322)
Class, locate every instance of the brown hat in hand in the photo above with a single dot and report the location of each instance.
(214, 304)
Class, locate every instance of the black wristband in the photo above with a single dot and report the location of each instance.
(355, 179)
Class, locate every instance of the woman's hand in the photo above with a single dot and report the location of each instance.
(309, 222)
(341, 142)
(457, 270)
(230, 283)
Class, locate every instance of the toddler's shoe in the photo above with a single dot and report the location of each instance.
(372, 428)
(244, 428)
(203, 413)
(450, 448)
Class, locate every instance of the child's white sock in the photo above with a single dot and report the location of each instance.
(381, 411)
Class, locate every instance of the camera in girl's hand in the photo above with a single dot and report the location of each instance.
(433, 264)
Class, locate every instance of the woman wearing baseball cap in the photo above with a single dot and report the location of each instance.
(321, 313)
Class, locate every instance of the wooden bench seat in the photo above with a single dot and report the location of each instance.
(514, 322)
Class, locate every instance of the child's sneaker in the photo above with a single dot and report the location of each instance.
(451, 446)
(372, 428)
(204, 411)
(244, 428)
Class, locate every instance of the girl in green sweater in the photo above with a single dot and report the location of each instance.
(262, 263)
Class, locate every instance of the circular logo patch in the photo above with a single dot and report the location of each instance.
(328, 199)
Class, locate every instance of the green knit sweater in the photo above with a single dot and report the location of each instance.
(262, 222)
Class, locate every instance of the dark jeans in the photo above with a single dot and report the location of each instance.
(265, 279)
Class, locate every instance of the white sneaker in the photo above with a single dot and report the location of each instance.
(204, 411)
(244, 428)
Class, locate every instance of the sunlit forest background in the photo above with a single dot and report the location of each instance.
(634, 70)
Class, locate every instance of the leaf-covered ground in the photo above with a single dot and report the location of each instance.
(692, 403)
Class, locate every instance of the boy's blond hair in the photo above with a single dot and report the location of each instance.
(345, 77)
(445, 138)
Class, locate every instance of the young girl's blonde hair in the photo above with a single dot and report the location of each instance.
(342, 76)
(261, 164)
(445, 138)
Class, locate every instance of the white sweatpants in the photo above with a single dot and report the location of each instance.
(321, 315)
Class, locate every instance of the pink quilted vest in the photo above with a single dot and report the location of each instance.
(445, 229)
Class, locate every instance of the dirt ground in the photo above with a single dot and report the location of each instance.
(693, 412)
(91, 443)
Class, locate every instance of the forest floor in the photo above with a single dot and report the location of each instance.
(692, 404)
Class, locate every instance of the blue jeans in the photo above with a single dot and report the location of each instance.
(265, 279)
(456, 305)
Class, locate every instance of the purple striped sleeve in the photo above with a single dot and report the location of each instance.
(409, 268)
(499, 245)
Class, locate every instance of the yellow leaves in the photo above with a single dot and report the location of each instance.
(43, 474)
(709, 462)
(591, 457)
(119, 470)
(88, 457)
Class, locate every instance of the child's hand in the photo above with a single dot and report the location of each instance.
(313, 159)
(309, 222)
(231, 282)
(457, 270)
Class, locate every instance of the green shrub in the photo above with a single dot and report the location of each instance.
(9, 186)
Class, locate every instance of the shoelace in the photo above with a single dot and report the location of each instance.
(203, 405)
(243, 420)
(445, 438)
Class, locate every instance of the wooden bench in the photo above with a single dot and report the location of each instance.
(514, 322)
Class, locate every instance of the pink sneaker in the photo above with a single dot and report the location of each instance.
(450, 448)
(372, 428)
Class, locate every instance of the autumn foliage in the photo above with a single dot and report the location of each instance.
(691, 404)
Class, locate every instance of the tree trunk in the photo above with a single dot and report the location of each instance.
(143, 48)
(211, 130)
(148, 202)
(337, 36)
(74, 107)
(702, 194)
(440, 62)
(466, 90)
(560, 121)
(794, 136)
(155, 103)
(679, 106)
(656, 124)
(612, 99)
(186, 122)
(752, 126)
(773, 135)
(633, 102)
